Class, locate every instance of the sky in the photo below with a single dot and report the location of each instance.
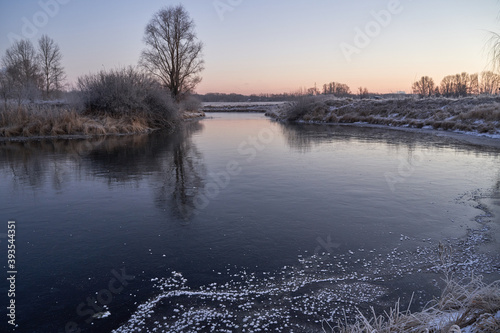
(274, 46)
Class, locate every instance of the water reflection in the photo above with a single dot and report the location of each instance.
(413, 149)
(304, 137)
(183, 175)
(170, 162)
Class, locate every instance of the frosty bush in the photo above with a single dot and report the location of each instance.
(300, 108)
(190, 103)
(127, 92)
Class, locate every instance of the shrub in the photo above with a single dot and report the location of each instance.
(127, 92)
(190, 103)
(300, 108)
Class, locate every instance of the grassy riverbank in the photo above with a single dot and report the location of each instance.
(56, 121)
(476, 114)
(114, 102)
(30, 121)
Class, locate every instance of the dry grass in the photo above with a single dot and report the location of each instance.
(479, 114)
(488, 112)
(29, 121)
(463, 304)
(470, 304)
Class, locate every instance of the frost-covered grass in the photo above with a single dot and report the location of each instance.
(470, 306)
(474, 114)
(466, 305)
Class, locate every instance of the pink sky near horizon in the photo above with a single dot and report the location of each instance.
(258, 46)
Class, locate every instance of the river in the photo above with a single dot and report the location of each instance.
(237, 223)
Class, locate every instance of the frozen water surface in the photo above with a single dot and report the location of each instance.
(240, 224)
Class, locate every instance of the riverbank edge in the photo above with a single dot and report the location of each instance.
(316, 111)
(186, 116)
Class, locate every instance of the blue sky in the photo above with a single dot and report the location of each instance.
(254, 46)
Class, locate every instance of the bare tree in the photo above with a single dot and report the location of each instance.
(5, 86)
(424, 87)
(437, 92)
(448, 86)
(474, 84)
(173, 53)
(21, 64)
(335, 88)
(343, 90)
(363, 93)
(489, 83)
(50, 64)
(462, 84)
(313, 91)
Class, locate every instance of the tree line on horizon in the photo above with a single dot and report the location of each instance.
(458, 85)
(332, 88)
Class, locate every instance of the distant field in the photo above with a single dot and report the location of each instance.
(231, 104)
(240, 106)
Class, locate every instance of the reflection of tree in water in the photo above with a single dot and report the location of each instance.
(31, 163)
(183, 177)
(168, 162)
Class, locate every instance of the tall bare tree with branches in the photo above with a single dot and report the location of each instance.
(424, 87)
(21, 65)
(173, 54)
(489, 83)
(50, 58)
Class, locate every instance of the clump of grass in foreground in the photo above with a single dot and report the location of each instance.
(463, 307)
(470, 306)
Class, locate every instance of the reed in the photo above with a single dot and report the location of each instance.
(56, 121)
(468, 305)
